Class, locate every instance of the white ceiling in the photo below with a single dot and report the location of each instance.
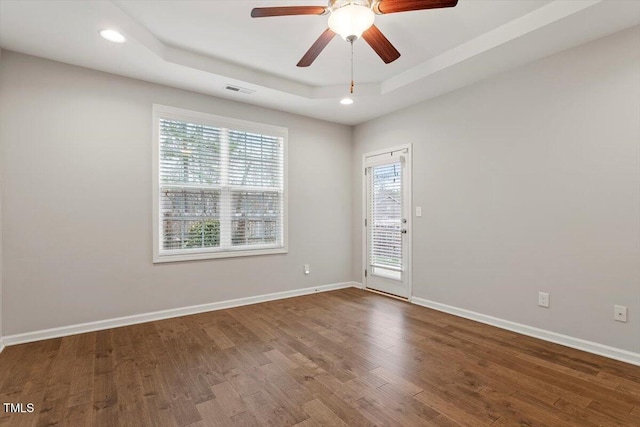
(204, 45)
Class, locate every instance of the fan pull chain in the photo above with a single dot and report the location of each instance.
(352, 84)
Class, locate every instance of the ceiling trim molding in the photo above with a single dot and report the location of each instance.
(528, 23)
(201, 62)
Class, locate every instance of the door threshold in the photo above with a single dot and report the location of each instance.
(386, 294)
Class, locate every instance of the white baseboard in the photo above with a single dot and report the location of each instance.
(160, 315)
(577, 343)
(1, 345)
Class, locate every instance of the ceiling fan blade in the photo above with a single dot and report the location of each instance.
(380, 44)
(316, 48)
(394, 6)
(263, 12)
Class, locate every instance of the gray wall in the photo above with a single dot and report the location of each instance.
(528, 181)
(76, 150)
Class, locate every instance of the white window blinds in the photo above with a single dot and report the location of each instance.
(386, 216)
(221, 189)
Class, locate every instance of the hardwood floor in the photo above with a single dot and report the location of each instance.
(342, 358)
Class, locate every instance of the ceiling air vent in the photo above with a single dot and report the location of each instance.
(239, 89)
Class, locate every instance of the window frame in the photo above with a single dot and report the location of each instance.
(172, 113)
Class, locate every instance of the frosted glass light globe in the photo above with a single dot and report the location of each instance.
(351, 20)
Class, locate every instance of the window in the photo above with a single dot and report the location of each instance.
(219, 186)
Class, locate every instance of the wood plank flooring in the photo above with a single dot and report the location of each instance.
(342, 358)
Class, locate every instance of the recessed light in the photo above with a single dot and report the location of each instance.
(346, 101)
(112, 36)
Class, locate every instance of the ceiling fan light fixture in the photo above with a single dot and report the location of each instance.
(346, 101)
(351, 20)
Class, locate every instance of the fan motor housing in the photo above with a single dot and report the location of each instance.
(337, 4)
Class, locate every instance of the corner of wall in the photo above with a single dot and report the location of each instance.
(1, 168)
(356, 209)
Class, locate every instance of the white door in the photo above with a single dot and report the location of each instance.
(387, 221)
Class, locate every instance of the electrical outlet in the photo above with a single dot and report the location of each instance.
(418, 211)
(543, 299)
(306, 269)
(619, 313)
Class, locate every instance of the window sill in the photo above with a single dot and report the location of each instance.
(162, 258)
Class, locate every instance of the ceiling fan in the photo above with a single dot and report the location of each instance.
(353, 19)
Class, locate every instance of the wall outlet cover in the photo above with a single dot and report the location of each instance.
(619, 313)
(543, 299)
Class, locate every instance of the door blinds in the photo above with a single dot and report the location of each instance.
(385, 200)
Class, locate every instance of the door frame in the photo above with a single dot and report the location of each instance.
(408, 193)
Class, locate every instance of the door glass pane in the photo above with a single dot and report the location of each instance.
(386, 219)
